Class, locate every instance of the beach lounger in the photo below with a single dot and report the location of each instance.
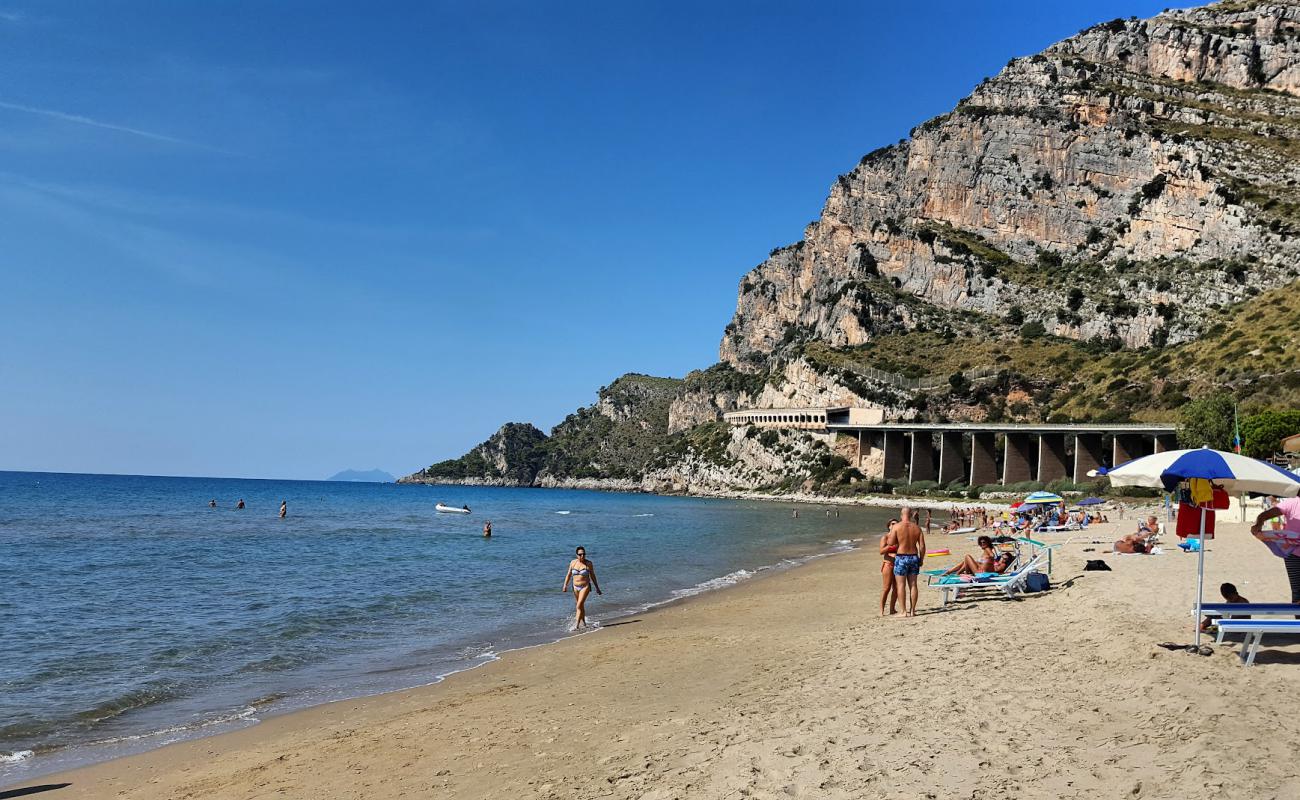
(1009, 584)
(1073, 526)
(1255, 630)
(1249, 609)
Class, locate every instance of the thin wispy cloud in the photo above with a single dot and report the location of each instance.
(78, 119)
(15, 17)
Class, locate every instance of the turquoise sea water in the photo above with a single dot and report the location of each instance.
(133, 615)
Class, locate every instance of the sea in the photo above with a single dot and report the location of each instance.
(133, 614)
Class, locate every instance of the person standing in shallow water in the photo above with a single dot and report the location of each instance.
(240, 504)
(583, 574)
(487, 529)
(284, 509)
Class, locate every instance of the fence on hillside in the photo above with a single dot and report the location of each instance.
(927, 383)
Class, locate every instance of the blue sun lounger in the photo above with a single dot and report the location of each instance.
(1009, 584)
(1238, 610)
(1255, 630)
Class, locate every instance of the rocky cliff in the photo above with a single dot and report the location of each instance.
(1100, 231)
(1111, 187)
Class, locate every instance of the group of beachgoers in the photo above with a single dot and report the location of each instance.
(970, 517)
(1024, 519)
(284, 506)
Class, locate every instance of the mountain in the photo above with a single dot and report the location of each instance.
(1101, 231)
(363, 475)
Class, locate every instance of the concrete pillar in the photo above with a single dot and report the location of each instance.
(1087, 455)
(895, 455)
(922, 461)
(1016, 466)
(1051, 457)
(951, 466)
(983, 459)
(1166, 442)
(1127, 447)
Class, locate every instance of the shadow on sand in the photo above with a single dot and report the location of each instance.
(29, 790)
(614, 624)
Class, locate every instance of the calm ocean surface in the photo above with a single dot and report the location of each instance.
(133, 615)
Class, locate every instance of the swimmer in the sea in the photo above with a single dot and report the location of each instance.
(284, 509)
(212, 503)
(240, 504)
(487, 529)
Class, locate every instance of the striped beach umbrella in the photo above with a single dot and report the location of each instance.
(1042, 498)
(1233, 472)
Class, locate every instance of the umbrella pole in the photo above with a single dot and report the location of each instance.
(1200, 576)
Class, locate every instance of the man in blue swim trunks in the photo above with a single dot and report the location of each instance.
(908, 559)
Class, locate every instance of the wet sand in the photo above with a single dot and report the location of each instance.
(793, 686)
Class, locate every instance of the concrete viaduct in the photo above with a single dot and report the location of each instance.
(974, 453)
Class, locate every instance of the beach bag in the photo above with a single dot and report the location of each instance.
(1189, 521)
(1096, 565)
(1037, 582)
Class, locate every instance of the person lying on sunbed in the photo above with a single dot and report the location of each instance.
(1134, 543)
(969, 565)
(988, 561)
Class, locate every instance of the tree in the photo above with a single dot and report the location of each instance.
(1033, 330)
(1207, 421)
(1262, 433)
(1015, 316)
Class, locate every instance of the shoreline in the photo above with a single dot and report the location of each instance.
(864, 501)
(250, 718)
(768, 689)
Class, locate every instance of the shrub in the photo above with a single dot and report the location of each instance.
(1024, 486)
(1262, 433)
(1207, 421)
(1033, 330)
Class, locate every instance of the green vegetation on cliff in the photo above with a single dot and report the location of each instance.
(1251, 350)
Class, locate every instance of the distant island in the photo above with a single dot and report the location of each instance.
(363, 475)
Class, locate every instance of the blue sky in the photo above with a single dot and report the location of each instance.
(282, 239)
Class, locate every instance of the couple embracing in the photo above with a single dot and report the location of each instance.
(903, 551)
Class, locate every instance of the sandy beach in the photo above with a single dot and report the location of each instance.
(793, 686)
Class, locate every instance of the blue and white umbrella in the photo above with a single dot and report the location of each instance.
(1233, 472)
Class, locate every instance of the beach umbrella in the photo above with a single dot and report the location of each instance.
(1231, 471)
(1043, 498)
(1090, 501)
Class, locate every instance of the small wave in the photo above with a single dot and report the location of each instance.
(643, 515)
(158, 692)
(243, 715)
(563, 512)
(14, 757)
(730, 579)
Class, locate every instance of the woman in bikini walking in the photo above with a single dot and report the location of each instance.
(583, 574)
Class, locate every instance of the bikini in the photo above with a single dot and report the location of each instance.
(584, 572)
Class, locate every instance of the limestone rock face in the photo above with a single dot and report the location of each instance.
(746, 462)
(1150, 164)
(696, 408)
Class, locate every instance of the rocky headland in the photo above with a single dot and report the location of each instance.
(1101, 231)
